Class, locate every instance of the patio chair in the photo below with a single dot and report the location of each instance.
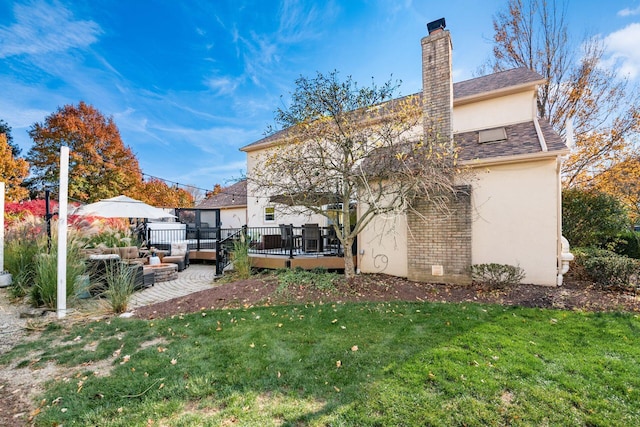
(179, 254)
(288, 238)
(333, 242)
(312, 238)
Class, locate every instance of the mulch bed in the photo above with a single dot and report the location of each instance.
(573, 295)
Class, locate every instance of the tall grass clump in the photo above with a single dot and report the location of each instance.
(19, 261)
(45, 280)
(241, 258)
(120, 282)
(23, 243)
(110, 238)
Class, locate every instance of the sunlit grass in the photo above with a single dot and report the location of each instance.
(346, 364)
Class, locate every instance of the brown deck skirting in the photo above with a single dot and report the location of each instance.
(275, 262)
(206, 255)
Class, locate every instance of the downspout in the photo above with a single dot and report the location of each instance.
(559, 238)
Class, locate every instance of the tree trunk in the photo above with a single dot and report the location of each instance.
(349, 268)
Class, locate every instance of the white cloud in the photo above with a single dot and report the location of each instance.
(208, 140)
(222, 174)
(222, 85)
(43, 28)
(623, 52)
(629, 12)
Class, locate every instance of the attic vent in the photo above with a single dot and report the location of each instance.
(492, 135)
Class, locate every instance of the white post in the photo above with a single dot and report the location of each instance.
(62, 232)
(1, 227)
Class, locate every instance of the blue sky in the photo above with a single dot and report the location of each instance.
(190, 82)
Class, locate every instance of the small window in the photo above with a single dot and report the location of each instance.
(269, 214)
(492, 135)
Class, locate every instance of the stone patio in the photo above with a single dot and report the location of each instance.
(196, 278)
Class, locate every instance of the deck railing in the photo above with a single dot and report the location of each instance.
(293, 241)
(281, 240)
(197, 238)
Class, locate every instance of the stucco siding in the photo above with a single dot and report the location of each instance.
(383, 245)
(515, 218)
(495, 112)
(233, 217)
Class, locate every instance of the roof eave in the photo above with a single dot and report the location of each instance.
(261, 146)
(519, 158)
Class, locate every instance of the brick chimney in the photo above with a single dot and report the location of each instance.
(437, 85)
(439, 244)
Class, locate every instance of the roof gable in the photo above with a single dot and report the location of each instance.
(229, 197)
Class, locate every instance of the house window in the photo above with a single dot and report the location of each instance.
(269, 214)
(492, 135)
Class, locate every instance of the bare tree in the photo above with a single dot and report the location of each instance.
(342, 143)
(604, 112)
(197, 193)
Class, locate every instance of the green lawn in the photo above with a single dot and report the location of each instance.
(347, 364)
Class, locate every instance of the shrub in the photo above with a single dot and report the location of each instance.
(318, 278)
(606, 268)
(627, 244)
(18, 212)
(581, 254)
(497, 275)
(616, 270)
(591, 218)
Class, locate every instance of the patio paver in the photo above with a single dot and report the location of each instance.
(197, 277)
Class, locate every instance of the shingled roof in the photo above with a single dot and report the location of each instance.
(495, 82)
(233, 196)
(522, 138)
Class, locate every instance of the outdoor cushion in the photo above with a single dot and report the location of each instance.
(178, 248)
(271, 241)
(179, 255)
(104, 256)
(128, 252)
(113, 250)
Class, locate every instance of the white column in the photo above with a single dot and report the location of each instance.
(62, 232)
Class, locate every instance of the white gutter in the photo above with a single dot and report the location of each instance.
(518, 158)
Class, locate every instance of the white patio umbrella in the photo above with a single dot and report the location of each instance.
(122, 207)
